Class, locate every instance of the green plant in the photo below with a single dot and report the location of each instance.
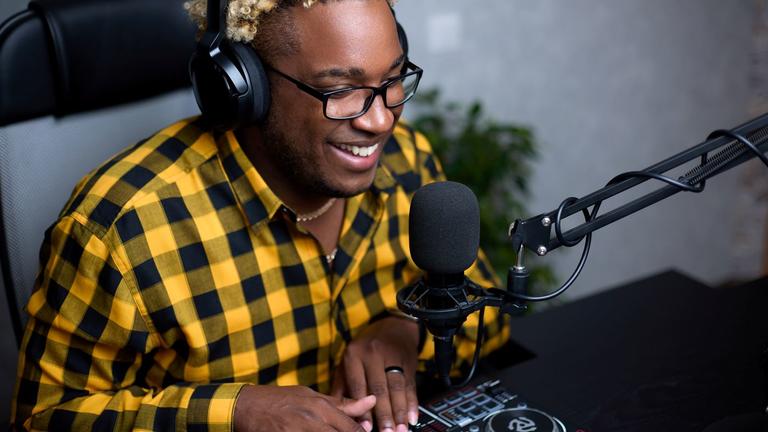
(493, 159)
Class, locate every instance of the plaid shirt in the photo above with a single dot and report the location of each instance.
(174, 276)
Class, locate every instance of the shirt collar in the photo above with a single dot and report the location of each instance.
(257, 200)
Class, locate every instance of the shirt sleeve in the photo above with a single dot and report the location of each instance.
(496, 326)
(89, 360)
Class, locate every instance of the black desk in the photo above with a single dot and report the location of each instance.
(665, 353)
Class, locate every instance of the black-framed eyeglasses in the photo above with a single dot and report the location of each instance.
(352, 102)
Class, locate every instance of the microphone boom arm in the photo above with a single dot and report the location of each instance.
(535, 233)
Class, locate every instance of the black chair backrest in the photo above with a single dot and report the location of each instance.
(67, 56)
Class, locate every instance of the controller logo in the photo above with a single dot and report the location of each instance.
(522, 424)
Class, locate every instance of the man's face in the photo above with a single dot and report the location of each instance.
(342, 44)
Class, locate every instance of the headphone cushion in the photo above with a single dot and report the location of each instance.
(211, 90)
(253, 106)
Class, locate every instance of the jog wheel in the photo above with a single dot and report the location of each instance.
(522, 419)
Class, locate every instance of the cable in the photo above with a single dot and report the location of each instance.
(742, 140)
(558, 228)
(475, 358)
(694, 181)
(687, 187)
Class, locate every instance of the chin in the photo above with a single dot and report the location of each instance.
(349, 192)
(347, 188)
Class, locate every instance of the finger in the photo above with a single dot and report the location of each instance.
(357, 407)
(338, 419)
(398, 398)
(357, 386)
(377, 384)
(339, 386)
(412, 399)
(312, 427)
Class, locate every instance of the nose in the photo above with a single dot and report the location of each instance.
(377, 120)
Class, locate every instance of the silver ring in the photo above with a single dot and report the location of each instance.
(395, 369)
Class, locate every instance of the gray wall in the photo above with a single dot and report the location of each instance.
(9, 7)
(609, 86)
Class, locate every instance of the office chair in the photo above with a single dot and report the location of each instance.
(79, 80)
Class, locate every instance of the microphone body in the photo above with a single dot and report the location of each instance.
(444, 236)
(443, 289)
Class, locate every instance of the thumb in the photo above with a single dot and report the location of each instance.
(357, 407)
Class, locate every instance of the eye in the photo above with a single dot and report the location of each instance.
(327, 89)
(344, 93)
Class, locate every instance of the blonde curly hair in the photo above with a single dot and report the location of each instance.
(245, 16)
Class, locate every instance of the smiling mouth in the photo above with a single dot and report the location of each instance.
(358, 150)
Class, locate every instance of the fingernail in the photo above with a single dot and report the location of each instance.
(402, 428)
(387, 429)
(368, 426)
(413, 418)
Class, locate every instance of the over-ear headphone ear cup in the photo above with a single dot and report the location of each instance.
(403, 38)
(212, 90)
(254, 108)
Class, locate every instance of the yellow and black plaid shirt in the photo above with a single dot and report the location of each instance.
(174, 276)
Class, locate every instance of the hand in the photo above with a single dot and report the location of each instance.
(271, 408)
(388, 342)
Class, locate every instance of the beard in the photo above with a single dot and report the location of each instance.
(297, 163)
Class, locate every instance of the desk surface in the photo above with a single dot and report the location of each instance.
(663, 353)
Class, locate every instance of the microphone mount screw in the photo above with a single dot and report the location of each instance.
(541, 251)
(546, 221)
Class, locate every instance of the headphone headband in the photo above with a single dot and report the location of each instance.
(215, 29)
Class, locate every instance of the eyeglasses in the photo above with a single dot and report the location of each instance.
(352, 102)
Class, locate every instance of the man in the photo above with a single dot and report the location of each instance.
(246, 280)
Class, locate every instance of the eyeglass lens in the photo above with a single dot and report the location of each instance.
(356, 101)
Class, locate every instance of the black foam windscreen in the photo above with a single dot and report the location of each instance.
(444, 228)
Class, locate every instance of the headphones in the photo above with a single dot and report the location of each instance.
(228, 78)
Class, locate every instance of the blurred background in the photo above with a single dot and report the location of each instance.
(608, 87)
(604, 87)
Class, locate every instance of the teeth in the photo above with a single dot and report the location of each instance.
(359, 151)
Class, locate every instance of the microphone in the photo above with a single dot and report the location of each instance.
(444, 228)
(444, 234)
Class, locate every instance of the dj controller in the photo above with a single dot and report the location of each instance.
(486, 407)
